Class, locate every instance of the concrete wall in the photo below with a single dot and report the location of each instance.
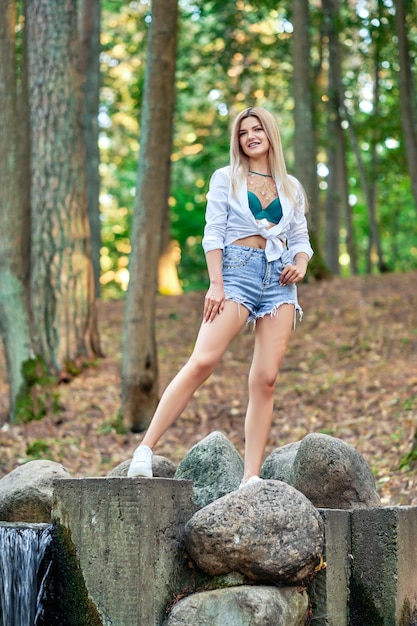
(329, 592)
(371, 573)
(127, 535)
(384, 567)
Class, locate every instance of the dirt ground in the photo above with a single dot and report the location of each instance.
(350, 372)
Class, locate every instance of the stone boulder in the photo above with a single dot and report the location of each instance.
(267, 531)
(26, 494)
(279, 465)
(242, 606)
(161, 468)
(328, 471)
(214, 466)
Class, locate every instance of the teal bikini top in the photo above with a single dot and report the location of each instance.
(273, 212)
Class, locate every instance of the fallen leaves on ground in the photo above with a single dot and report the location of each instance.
(350, 371)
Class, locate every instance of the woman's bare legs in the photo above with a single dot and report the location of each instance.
(271, 339)
(212, 341)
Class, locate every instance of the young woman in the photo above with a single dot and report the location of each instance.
(257, 248)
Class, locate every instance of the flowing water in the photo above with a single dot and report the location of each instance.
(23, 572)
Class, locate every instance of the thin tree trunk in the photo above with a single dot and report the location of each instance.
(344, 189)
(333, 197)
(408, 100)
(367, 181)
(89, 28)
(375, 247)
(305, 157)
(62, 288)
(337, 192)
(140, 367)
(14, 214)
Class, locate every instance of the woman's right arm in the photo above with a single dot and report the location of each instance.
(213, 242)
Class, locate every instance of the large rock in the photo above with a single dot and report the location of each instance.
(267, 531)
(214, 466)
(280, 463)
(242, 606)
(328, 471)
(26, 494)
(161, 468)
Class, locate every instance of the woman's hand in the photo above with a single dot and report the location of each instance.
(214, 302)
(294, 273)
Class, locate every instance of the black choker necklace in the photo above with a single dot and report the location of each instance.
(259, 174)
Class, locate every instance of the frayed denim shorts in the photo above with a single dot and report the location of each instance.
(249, 279)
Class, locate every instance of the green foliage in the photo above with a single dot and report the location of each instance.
(113, 426)
(409, 460)
(38, 449)
(38, 394)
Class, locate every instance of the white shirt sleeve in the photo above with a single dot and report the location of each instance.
(217, 211)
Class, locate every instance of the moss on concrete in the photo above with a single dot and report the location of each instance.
(72, 605)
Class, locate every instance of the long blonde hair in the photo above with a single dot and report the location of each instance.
(239, 162)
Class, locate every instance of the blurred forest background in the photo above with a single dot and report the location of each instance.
(233, 54)
(114, 116)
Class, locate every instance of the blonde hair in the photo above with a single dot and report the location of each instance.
(239, 162)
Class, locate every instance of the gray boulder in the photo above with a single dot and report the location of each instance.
(280, 463)
(267, 531)
(242, 606)
(214, 466)
(328, 471)
(161, 468)
(26, 494)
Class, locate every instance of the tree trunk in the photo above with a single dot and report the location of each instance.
(305, 157)
(62, 288)
(344, 187)
(337, 192)
(332, 207)
(14, 215)
(89, 29)
(368, 182)
(140, 368)
(375, 247)
(407, 95)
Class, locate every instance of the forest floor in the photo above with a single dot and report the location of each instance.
(350, 371)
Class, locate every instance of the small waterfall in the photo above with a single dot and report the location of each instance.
(23, 572)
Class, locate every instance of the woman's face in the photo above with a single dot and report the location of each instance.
(252, 138)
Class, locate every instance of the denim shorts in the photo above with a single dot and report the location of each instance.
(251, 280)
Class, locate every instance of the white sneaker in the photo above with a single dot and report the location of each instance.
(141, 464)
(252, 479)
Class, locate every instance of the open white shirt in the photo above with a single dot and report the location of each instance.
(229, 218)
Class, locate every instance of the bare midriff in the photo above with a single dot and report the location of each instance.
(253, 241)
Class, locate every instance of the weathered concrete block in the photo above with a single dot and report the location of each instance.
(384, 568)
(128, 539)
(329, 590)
